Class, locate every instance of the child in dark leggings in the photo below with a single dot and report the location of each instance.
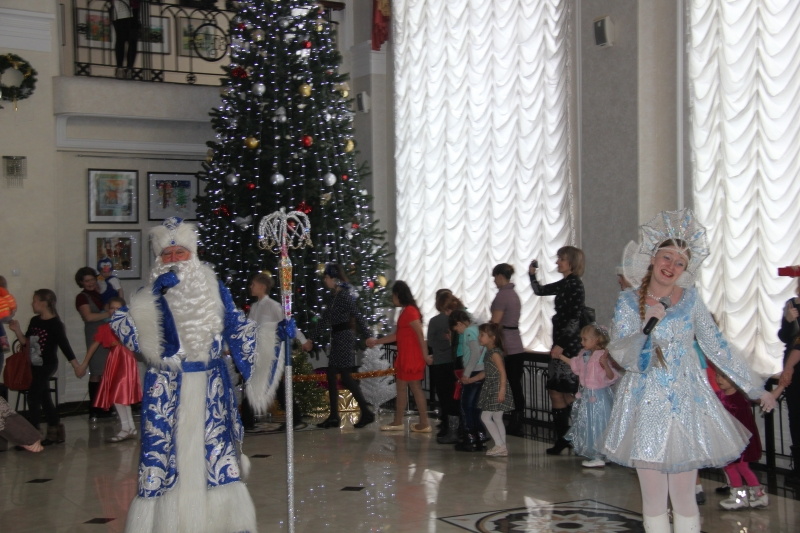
(126, 26)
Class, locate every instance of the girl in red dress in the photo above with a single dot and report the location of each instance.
(120, 383)
(412, 356)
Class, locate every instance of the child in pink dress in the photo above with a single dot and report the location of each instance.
(592, 408)
(754, 496)
(120, 384)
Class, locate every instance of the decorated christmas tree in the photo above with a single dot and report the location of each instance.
(284, 140)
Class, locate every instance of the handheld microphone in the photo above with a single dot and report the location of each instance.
(165, 289)
(666, 302)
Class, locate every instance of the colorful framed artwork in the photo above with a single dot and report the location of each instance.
(155, 38)
(171, 195)
(93, 28)
(124, 248)
(113, 196)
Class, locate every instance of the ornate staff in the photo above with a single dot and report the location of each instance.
(279, 232)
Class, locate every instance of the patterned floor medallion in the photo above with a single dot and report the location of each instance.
(576, 516)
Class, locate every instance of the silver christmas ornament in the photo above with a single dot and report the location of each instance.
(259, 89)
(329, 179)
(232, 179)
(277, 179)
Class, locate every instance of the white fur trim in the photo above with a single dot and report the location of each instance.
(244, 466)
(227, 508)
(260, 392)
(147, 320)
(191, 505)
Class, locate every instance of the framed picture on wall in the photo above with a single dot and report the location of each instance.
(171, 195)
(113, 196)
(93, 28)
(124, 248)
(155, 37)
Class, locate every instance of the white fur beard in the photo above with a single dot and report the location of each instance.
(195, 305)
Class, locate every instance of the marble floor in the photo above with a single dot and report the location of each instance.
(359, 481)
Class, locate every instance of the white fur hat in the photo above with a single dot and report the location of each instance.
(174, 232)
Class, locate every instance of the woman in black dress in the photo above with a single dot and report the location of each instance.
(343, 316)
(562, 384)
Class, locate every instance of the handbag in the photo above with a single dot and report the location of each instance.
(17, 374)
(459, 386)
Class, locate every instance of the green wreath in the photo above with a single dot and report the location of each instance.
(23, 90)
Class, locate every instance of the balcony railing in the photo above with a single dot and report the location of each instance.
(180, 41)
(773, 427)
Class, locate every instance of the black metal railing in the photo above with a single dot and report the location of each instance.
(538, 420)
(179, 41)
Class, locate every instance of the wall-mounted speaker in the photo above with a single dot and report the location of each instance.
(603, 31)
(362, 102)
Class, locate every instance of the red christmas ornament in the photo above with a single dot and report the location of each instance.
(307, 140)
(345, 177)
(238, 72)
(246, 308)
(371, 284)
(225, 210)
(304, 207)
(251, 186)
(242, 26)
(306, 44)
(354, 225)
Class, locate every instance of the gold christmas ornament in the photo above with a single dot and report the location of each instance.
(345, 93)
(325, 198)
(382, 281)
(349, 146)
(252, 143)
(305, 90)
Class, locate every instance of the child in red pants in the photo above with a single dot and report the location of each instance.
(738, 472)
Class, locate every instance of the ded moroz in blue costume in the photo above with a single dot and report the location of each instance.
(191, 468)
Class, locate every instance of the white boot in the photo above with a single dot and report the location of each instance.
(686, 524)
(656, 524)
(757, 497)
(738, 500)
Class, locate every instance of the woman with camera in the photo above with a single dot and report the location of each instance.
(569, 294)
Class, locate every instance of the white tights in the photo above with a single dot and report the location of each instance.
(125, 417)
(493, 420)
(657, 487)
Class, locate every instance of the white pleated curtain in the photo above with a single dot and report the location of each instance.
(482, 132)
(744, 57)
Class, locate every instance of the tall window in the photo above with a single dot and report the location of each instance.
(743, 62)
(483, 141)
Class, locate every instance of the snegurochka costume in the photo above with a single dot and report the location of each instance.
(191, 468)
(668, 418)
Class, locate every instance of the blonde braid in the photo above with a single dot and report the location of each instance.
(643, 292)
(642, 308)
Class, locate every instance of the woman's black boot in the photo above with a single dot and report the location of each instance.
(444, 427)
(452, 434)
(561, 425)
(367, 417)
(332, 421)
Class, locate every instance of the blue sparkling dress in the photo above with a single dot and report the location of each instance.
(669, 419)
(592, 407)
